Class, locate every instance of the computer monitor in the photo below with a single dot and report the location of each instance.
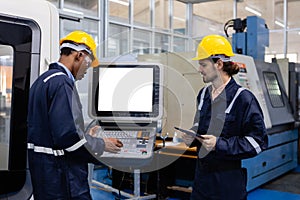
(126, 92)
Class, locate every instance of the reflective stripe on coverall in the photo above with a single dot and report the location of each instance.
(58, 149)
(240, 133)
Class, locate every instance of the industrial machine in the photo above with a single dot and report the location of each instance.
(281, 155)
(29, 39)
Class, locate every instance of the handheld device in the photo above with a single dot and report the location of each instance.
(191, 133)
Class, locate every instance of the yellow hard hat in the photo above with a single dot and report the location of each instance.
(81, 38)
(213, 45)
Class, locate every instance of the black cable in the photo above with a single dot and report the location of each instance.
(228, 24)
(244, 25)
(119, 197)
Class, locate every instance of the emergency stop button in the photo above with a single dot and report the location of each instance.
(144, 152)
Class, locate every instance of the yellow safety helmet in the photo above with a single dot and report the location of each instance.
(81, 38)
(213, 45)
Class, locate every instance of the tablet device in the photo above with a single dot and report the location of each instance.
(191, 133)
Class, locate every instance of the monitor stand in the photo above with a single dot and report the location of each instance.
(136, 192)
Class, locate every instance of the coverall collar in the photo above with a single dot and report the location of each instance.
(67, 70)
(227, 91)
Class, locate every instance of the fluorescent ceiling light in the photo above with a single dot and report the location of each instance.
(179, 19)
(252, 11)
(71, 14)
(279, 23)
(72, 11)
(9, 57)
(120, 2)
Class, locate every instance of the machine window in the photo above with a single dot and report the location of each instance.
(273, 89)
(6, 59)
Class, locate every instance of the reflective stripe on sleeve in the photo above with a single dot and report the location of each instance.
(52, 75)
(195, 126)
(254, 144)
(77, 145)
(202, 98)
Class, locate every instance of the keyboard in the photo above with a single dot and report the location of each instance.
(136, 143)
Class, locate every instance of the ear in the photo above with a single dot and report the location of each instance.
(219, 64)
(78, 55)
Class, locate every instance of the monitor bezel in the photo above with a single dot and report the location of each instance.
(125, 116)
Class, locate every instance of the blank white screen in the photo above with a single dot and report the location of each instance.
(125, 89)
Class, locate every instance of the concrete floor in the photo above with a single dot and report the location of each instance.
(285, 187)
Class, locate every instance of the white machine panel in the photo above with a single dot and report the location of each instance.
(249, 78)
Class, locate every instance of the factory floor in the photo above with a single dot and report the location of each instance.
(285, 187)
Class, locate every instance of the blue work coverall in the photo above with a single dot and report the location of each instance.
(58, 149)
(241, 133)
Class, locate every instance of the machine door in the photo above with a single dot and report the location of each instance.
(276, 97)
(19, 55)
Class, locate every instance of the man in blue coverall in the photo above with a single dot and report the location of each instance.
(58, 148)
(231, 123)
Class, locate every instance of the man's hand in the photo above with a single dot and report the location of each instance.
(209, 142)
(94, 130)
(187, 139)
(112, 145)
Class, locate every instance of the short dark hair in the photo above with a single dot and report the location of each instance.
(66, 51)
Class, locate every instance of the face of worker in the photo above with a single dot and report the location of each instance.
(209, 70)
(84, 62)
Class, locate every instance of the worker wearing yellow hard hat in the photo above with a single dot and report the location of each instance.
(59, 148)
(79, 38)
(230, 122)
(213, 45)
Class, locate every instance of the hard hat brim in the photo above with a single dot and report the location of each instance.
(95, 63)
(201, 54)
